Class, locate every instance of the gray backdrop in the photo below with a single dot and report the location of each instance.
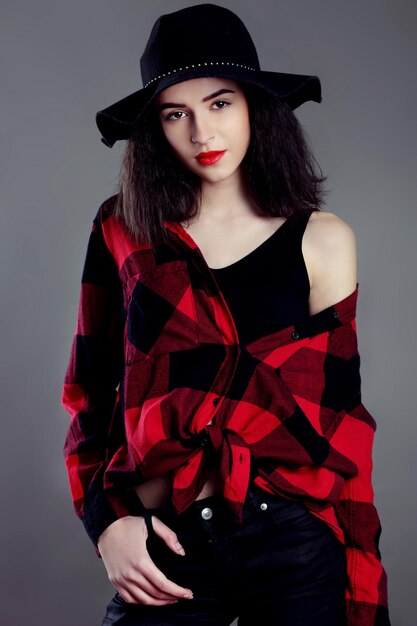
(63, 61)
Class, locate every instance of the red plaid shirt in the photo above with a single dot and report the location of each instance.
(156, 358)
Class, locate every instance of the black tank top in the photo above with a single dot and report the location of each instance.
(268, 289)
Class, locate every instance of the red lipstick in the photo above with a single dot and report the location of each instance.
(209, 158)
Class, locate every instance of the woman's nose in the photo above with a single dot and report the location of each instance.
(201, 132)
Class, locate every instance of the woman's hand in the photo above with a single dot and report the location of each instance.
(129, 567)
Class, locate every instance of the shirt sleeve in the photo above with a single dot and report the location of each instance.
(91, 393)
(366, 590)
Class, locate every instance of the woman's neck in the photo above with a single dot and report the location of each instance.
(223, 201)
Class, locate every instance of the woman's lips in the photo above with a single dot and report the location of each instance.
(209, 158)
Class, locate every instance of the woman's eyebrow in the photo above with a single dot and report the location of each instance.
(170, 105)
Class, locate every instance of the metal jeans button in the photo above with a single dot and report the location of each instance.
(207, 513)
(264, 506)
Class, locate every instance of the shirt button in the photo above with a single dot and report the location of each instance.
(264, 506)
(207, 513)
(295, 335)
(336, 314)
(216, 401)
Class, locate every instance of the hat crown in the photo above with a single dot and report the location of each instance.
(201, 34)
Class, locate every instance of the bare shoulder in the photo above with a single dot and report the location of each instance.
(328, 234)
(329, 249)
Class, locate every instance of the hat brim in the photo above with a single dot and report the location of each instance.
(115, 122)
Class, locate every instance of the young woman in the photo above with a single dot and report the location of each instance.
(219, 454)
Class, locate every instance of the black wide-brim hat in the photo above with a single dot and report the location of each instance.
(194, 42)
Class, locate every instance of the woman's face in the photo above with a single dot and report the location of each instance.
(203, 115)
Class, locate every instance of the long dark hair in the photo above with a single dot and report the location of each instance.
(278, 167)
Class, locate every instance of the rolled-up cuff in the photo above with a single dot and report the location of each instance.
(103, 508)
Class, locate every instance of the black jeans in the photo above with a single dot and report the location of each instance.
(282, 566)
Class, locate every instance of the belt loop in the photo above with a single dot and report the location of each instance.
(251, 496)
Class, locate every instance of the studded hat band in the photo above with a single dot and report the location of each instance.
(209, 63)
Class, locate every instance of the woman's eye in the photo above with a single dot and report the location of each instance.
(221, 102)
(170, 116)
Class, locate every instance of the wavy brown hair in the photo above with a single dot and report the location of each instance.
(281, 175)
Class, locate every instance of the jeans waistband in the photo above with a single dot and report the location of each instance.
(254, 497)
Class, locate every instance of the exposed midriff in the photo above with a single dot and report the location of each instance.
(156, 491)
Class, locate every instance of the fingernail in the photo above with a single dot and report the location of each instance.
(180, 548)
(189, 596)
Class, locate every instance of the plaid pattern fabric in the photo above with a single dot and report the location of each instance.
(158, 382)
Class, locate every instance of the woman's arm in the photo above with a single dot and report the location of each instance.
(90, 391)
(90, 394)
(330, 246)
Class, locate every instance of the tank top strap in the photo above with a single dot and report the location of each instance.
(297, 224)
